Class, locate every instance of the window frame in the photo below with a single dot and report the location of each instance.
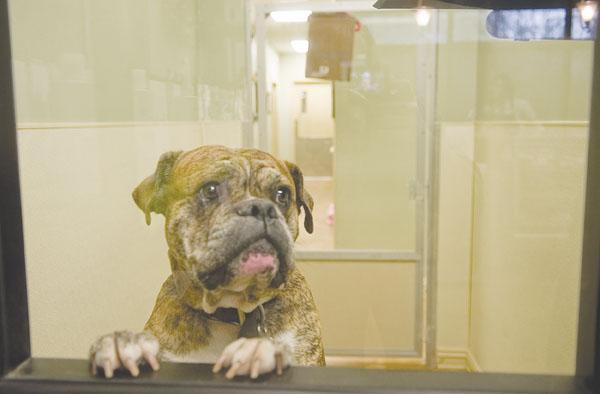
(19, 372)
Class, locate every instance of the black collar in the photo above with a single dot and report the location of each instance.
(226, 315)
(252, 325)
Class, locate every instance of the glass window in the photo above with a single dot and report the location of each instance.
(442, 176)
(541, 24)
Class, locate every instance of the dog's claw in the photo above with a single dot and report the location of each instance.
(124, 350)
(108, 370)
(279, 363)
(152, 361)
(233, 370)
(251, 357)
(132, 367)
(255, 369)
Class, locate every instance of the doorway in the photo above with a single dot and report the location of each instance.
(365, 147)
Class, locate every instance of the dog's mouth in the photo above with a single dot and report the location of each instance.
(258, 258)
(256, 265)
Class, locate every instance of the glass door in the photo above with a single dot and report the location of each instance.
(362, 132)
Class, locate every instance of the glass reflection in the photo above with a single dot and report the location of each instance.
(540, 24)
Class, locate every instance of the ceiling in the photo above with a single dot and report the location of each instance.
(279, 35)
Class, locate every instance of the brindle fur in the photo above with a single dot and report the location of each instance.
(200, 235)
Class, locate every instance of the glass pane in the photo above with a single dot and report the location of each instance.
(354, 134)
(425, 144)
(332, 127)
(513, 124)
(103, 88)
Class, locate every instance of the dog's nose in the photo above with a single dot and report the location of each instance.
(259, 208)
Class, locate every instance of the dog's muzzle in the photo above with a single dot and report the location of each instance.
(261, 209)
(260, 246)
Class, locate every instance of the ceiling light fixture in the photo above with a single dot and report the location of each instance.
(587, 10)
(422, 14)
(300, 46)
(290, 16)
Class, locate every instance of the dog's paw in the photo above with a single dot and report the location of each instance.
(252, 357)
(124, 350)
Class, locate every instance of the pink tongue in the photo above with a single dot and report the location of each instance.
(257, 262)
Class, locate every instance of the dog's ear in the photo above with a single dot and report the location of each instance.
(303, 197)
(151, 194)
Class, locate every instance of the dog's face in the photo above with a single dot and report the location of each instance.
(231, 220)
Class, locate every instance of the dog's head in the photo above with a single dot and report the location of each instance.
(231, 220)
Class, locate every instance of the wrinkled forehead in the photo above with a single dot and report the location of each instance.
(263, 166)
(220, 164)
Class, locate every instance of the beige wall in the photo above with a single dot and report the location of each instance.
(357, 319)
(513, 146)
(528, 211)
(317, 120)
(543, 80)
(508, 282)
(528, 198)
(454, 246)
(93, 265)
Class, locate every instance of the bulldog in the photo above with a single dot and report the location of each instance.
(234, 296)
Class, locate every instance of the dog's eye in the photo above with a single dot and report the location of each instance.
(210, 191)
(282, 195)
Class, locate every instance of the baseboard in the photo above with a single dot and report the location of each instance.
(457, 360)
(375, 362)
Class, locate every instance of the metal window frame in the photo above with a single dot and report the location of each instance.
(21, 373)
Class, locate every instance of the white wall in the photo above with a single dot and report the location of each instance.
(291, 68)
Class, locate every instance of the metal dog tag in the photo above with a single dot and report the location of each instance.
(254, 325)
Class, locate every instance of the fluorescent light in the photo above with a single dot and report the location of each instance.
(587, 10)
(423, 15)
(300, 46)
(290, 16)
